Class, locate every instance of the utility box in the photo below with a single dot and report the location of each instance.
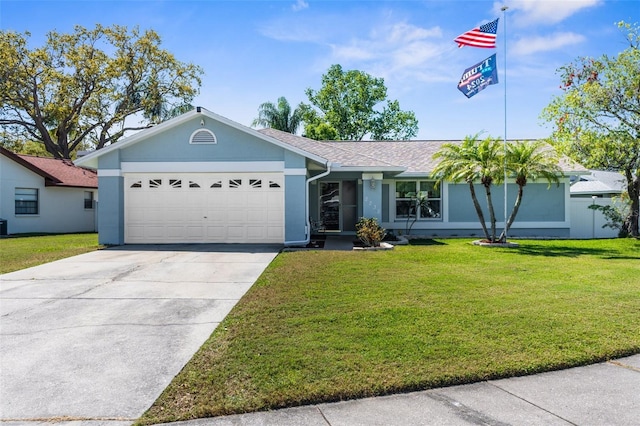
(3, 227)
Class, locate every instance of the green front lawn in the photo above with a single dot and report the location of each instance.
(324, 326)
(19, 252)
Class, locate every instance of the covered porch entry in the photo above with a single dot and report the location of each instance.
(336, 203)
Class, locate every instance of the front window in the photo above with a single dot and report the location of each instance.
(418, 199)
(26, 201)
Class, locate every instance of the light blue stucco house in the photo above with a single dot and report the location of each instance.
(203, 178)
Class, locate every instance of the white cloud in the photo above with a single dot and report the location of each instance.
(299, 5)
(529, 12)
(294, 31)
(353, 52)
(393, 47)
(403, 32)
(531, 45)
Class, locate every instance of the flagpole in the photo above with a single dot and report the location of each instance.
(504, 17)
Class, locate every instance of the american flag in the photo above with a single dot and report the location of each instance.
(482, 36)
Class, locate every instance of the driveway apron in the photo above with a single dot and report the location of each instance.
(97, 337)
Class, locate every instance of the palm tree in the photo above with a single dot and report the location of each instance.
(529, 161)
(473, 161)
(279, 117)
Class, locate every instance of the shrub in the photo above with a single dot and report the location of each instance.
(618, 216)
(370, 232)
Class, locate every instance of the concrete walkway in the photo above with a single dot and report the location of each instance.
(96, 338)
(606, 394)
(339, 242)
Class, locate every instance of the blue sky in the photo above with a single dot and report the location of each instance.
(257, 51)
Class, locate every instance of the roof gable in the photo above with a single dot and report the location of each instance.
(55, 172)
(91, 159)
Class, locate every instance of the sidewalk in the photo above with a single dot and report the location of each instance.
(601, 394)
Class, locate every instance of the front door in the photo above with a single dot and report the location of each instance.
(338, 205)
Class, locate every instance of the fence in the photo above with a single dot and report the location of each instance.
(587, 223)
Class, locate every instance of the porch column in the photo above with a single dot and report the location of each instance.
(372, 195)
(111, 214)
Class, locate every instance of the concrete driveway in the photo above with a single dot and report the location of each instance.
(97, 337)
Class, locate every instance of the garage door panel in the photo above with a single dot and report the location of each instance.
(194, 215)
(204, 207)
(219, 216)
(257, 199)
(235, 200)
(275, 232)
(174, 215)
(214, 195)
(273, 218)
(216, 210)
(195, 232)
(256, 232)
(136, 232)
(275, 201)
(236, 216)
(256, 216)
(174, 232)
(195, 202)
(215, 233)
(154, 232)
(236, 232)
(152, 196)
(136, 215)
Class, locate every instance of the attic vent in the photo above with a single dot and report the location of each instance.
(203, 136)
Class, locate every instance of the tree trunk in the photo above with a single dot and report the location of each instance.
(479, 211)
(512, 216)
(492, 213)
(46, 139)
(633, 189)
(63, 142)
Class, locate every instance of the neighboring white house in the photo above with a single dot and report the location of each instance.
(599, 188)
(47, 195)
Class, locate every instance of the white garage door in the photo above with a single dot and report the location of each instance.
(204, 208)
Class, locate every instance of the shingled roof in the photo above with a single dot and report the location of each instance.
(55, 172)
(599, 182)
(408, 157)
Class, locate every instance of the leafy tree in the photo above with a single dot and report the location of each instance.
(27, 148)
(393, 124)
(92, 85)
(280, 116)
(597, 118)
(18, 146)
(345, 107)
(321, 132)
(473, 161)
(617, 216)
(529, 161)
